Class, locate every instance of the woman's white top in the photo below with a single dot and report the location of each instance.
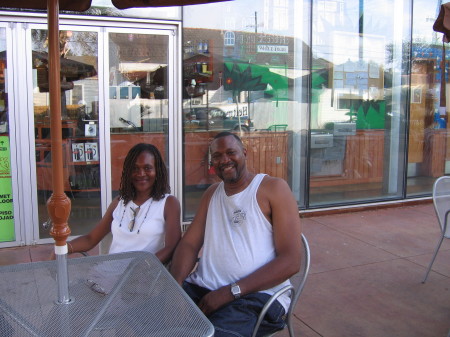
(148, 233)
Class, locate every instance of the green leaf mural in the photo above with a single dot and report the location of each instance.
(317, 79)
(366, 105)
(239, 80)
(369, 114)
(241, 76)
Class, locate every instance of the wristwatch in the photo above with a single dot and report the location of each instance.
(235, 290)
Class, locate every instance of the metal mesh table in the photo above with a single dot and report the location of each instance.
(128, 294)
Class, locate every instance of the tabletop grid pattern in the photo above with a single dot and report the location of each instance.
(129, 294)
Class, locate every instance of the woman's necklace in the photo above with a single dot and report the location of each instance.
(135, 212)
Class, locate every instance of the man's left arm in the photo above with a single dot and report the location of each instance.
(277, 202)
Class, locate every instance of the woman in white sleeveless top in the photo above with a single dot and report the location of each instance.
(144, 216)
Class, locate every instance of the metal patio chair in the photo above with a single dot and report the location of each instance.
(298, 281)
(441, 201)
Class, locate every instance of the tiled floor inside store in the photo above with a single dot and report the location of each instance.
(366, 273)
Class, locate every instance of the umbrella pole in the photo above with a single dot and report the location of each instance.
(58, 205)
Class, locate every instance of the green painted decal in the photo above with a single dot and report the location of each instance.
(6, 199)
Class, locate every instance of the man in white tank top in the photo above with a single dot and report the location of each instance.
(249, 228)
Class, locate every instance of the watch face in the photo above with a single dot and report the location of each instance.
(235, 290)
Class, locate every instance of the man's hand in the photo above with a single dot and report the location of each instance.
(215, 299)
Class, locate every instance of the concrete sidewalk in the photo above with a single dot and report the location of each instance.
(366, 273)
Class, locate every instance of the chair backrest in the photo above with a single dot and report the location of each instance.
(298, 280)
(441, 201)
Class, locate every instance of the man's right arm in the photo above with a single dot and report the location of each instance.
(187, 251)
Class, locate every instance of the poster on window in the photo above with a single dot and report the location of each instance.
(416, 95)
(78, 152)
(91, 151)
(6, 200)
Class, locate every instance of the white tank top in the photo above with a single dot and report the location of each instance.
(238, 240)
(149, 223)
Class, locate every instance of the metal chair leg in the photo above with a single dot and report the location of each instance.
(291, 329)
(434, 257)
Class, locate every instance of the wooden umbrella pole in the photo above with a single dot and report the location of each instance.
(58, 205)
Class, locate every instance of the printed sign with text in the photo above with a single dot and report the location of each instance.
(6, 199)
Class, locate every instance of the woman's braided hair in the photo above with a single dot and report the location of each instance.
(161, 186)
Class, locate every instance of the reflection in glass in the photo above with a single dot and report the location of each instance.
(243, 72)
(429, 146)
(357, 134)
(342, 111)
(79, 112)
(138, 97)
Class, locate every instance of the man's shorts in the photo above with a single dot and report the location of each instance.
(238, 318)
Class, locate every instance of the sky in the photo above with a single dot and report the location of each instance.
(233, 15)
(241, 14)
(425, 13)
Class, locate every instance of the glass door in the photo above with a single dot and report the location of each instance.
(115, 93)
(9, 233)
(80, 122)
(137, 93)
(140, 97)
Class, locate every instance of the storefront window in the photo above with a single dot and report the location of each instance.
(138, 95)
(347, 100)
(429, 145)
(335, 106)
(244, 70)
(358, 104)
